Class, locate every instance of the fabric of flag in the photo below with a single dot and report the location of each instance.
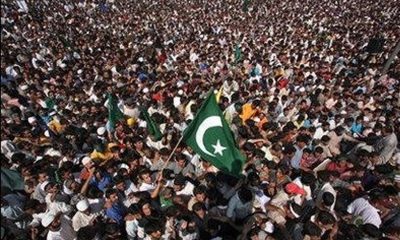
(210, 136)
(49, 103)
(11, 179)
(238, 54)
(114, 113)
(152, 126)
(245, 6)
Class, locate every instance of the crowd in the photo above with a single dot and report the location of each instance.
(300, 84)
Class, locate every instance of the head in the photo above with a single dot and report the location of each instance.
(200, 193)
(145, 176)
(199, 209)
(112, 195)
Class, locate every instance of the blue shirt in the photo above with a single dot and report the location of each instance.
(296, 159)
(116, 213)
(102, 184)
(356, 128)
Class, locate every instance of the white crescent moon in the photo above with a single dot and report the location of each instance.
(213, 121)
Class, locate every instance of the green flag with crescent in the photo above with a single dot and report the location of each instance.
(210, 136)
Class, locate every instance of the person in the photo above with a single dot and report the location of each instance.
(59, 226)
(113, 208)
(84, 217)
(304, 97)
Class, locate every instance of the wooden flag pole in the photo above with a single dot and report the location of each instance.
(172, 153)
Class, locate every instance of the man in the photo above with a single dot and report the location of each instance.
(84, 216)
(182, 186)
(87, 164)
(278, 206)
(386, 146)
(240, 205)
(301, 143)
(147, 182)
(182, 166)
(199, 193)
(114, 209)
(39, 193)
(59, 226)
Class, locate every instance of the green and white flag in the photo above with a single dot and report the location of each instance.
(152, 127)
(238, 54)
(210, 136)
(11, 179)
(114, 113)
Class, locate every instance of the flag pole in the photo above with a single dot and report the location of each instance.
(173, 151)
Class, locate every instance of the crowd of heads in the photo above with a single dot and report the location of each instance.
(302, 85)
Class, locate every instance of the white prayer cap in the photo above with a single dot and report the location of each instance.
(47, 133)
(123, 165)
(82, 205)
(180, 92)
(145, 90)
(80, 71)
(31, 120)
(48, 219)
(86, 160)
(24, 87)
(140, 59)
(101, 131)
(382, 119)
(302, 89)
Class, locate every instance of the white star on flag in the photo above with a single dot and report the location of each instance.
(218, 148)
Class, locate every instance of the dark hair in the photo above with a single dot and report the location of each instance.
(245, 195)
(198, 206)
(328, 199)
(311, 229)
(371, 230)
(326, 218)
(110, 191)
(86, 233)
(199, 190)
(152, 226)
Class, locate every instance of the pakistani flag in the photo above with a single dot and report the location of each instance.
(152, 127)
(245, 6)
(114, 113)
(238, 54)
(210, 136)
(11, 179)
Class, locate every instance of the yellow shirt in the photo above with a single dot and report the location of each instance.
(247, 112)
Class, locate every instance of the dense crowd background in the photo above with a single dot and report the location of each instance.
(301, 86)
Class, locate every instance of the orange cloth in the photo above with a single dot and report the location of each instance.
(247, 112)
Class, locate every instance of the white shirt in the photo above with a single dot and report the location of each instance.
(80, 220)
(369, 214)
(327, 187)
(187, 190)
(147, 187)
(55, 206)
(131, 228)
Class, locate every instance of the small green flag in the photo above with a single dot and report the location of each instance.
(11, 179)
(210, 136)
(238, 54)
(114, 113)
(49, 103)
(245, 6)
(151, 125)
